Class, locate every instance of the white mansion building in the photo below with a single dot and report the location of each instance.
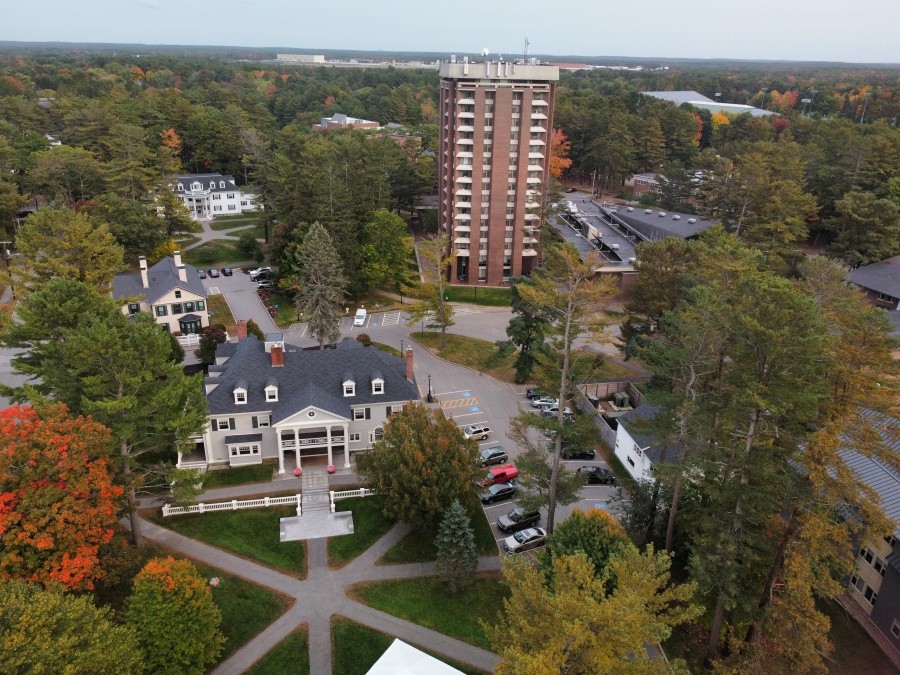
(212, 194)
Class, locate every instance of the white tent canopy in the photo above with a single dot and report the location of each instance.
(403, 659)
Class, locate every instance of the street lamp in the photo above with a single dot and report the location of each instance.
(430, 397)
(6, 256)
(401, 348)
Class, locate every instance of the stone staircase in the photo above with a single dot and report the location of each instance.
(316, 519)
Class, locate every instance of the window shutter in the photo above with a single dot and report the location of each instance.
(368, 414)
(231, 423)
(215, 424)
(255, 422)
(387, 412)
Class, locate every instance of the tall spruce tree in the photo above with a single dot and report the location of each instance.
(322, 283)
(457, 559)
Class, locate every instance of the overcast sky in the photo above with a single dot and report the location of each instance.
(803, 30)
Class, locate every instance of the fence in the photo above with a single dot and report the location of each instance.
(347, 494)
(604, 390)
(233, 505)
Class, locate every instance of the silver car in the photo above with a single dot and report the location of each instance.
(526, 539)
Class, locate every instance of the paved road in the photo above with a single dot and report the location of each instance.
(322, 595)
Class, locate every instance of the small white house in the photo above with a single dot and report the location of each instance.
(636, 450)
(209, 195)
(170, 290)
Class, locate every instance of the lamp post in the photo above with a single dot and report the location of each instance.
(430, 397)
(401, 348)
(6, 256)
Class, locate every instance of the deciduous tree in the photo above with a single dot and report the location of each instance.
(66, 174)
(433, 304)
(420, 465)
(385, 249)
(175, 618)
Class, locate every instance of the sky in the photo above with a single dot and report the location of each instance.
(795, 30)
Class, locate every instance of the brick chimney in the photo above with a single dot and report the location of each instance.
(241, 329)
(409, 364)
(142, 262)
(277, 352)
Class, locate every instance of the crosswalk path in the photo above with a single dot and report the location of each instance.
(391, 318)
(464, 309)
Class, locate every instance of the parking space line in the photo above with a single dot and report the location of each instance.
(213, 290)
(465, 415)
(520, 391)
(447, 393)
(391, 318)
(459, 403)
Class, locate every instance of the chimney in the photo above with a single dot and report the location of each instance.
(182, 273)
(241, 329)
(177, 256)
(277, 356)
(409, 364)
(142, 262)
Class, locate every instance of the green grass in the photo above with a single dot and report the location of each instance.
(252, 533)
(287, 312)
(246, 608)
(240, 475)
(854, 651)
(220, 312)
(369, 525)
(356, 648)
(386, 348)
(418, 545)
(186, 240)
(288, 657)
(258, 231)
(473, 352)
(493, 297)
(229, 223)
(213, 253)
(428, 603)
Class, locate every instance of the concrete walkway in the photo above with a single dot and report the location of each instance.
(209, 234)
(322, 595)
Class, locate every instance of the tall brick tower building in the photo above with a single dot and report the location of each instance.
(496, 123)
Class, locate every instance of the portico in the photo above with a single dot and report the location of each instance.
(313, 432)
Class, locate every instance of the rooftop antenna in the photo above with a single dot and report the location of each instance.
(485, 52)
(525, 56)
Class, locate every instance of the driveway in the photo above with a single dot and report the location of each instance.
(240, 293)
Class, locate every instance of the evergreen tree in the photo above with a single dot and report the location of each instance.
(526, 330)
(457, 559)
(254, 329)
(322, 284)
(433, 304)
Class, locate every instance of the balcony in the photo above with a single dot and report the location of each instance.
(536, 141)
(538, 130)
(462, 193)
(464, 153)
(529, 253)
(461, 240)
(534, 116)
(471, 115)
(529, 240)
(287, 443)
(532, 216)
(532, 205)
(463, 205)
(536, 101)
(533, 181)
(465, 141)
(463, 216)
(462, 253)
(466, 101)
(535, 155)
(535, 167)
(463, 128)
(462, 230)
(464, 179)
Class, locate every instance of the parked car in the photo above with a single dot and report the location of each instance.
(213, 273)
(227, 272)
(495, 455)
(518, 519)
(534, 393)
(571, 190)
(360, 318)
(543, 401)
(578, 453)
(526, 539)
(499, 474)
(259, 272)
(265, 283)
(499, 492)
(479, 431)
(201, 274)
(551, 410)
(599, 475)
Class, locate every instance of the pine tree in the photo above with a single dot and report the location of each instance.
(455, 542)
(322, 284)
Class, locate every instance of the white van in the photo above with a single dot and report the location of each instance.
(360, 318)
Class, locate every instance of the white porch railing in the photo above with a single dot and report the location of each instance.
(288, 443)
(346, 494)
(233, 505)
(191, 340)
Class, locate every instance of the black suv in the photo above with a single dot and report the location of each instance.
(495, 455)
(517, 520)
(578, 453)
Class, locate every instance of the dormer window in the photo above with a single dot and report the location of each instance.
(377, 386)
(271, 393)
(240, 396)
(196, 186)
(222, 184)
(212, 185)
(349, 385)
(180, 187)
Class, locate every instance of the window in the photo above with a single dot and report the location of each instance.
(261, 421)
(161, 310)
(396, 408)
(866, 554)
(859, 583)
(189, 307)
(177, 294)
(232, 207)
(271, 393)
(133, 308)
(349, 389)
(217, 208)
(879, 566)
(377, 386)
(870, 595)
(243, 203)
(359, 414)
(180, 187)
(244, 450)
(354, 437)
(895, 629)
(201, 305)
(223, 424)
(890, 540)
(216, 197)
(221, 183)
(884, 297)
(630, 461)
(230, 195)
(176, 309)
(240, 396)
(376, 435)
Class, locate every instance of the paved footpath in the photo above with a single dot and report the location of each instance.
(323, 594)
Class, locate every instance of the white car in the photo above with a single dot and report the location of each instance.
(479, 431)
(360, 318)
(541, 402)
(260, 272)
(526, 539)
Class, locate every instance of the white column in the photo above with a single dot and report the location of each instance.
(297, 445)
(280, 451)
(328, 436)
(346, 446)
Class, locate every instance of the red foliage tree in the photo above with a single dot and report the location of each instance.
(559, 153)
(58, 502)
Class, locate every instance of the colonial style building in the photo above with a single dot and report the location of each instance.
(271, 400)
(170, 290)
(496, 125)
(212, 194)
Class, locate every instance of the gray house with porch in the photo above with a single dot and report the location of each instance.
(271, 400)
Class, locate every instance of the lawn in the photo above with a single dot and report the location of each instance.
(287, 312)
(258, 231)
(213, 253)
(231, 222)
(288, 657)
(251, 533)
(474, 295)
(473, 352)
(186, 240)
(387, 348)
(240, 475)
(418, 545)
(356, 648)
(369, 525)
(428, 603)
(220, 312)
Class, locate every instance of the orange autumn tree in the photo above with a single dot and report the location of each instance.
(58, 502)
(559, 153)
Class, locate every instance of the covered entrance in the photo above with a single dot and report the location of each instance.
(323, 438)
(190, 324)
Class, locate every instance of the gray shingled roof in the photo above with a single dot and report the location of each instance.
(162, 278)
(634, 420)
(881, 277)
(243, 438)
(308, 378)
(884, 479)
(205, 179)
(894, 316)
